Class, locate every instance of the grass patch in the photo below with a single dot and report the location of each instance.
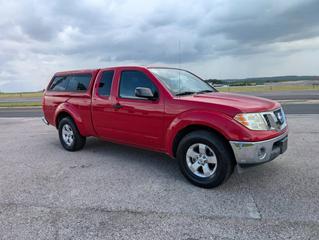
(21, 95)
(20, 104)
(266, 88)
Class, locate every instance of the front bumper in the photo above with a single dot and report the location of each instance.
(250, 153)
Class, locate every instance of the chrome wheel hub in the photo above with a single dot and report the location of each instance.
(201, 160)
(67, 134)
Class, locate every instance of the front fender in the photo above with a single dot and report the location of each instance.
(217, 121)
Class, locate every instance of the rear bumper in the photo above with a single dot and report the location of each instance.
(45, 121)
(251, 153)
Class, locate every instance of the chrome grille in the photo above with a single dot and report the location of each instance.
(275, 120)
(267, 120)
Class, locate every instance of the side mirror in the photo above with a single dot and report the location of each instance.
(145, 93)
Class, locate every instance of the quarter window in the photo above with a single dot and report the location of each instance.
(130, 80)
(59, 83)
(79, 83)
(105, 83)
(71, 83)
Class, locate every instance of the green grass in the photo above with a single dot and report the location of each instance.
(21, 95)
(19, 104)
(266, 88)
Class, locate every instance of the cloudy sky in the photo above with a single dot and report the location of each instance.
(213, 38)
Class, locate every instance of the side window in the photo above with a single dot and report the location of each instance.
(79, 83)
(59, 83)
(105, 83)
(131, 80)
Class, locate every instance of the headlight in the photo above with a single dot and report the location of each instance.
(253, 121)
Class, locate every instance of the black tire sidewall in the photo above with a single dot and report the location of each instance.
(77, 136)
(223, 159)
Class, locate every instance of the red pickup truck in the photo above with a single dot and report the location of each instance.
(166, 110)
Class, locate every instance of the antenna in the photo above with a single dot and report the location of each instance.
(179, 65)
(179, 53)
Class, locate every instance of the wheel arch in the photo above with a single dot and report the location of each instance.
(60, 116)
(201, 119)
(68, 110)
(195, 127)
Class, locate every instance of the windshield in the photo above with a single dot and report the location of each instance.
(180, 82)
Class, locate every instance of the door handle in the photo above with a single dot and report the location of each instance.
(117, 106)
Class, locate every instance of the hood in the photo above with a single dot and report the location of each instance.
(236, 102)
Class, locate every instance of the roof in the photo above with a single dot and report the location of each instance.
(79, 71)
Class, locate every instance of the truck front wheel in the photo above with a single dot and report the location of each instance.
(69, 135)
(205, 159)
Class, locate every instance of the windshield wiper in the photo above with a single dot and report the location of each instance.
(184, 93)
(204, 91)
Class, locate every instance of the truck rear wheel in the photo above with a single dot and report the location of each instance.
(69, 135)
(205, 159)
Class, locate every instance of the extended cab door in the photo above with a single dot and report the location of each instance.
(102, 104)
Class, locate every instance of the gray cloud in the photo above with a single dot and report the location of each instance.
(293, 23)
(50, 36)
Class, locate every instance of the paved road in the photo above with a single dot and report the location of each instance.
(22, 99)
(287, 95)
(301, 108)
(108, 191)
(37, 112)
(21, 112)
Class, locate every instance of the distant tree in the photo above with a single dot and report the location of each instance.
(215, 81)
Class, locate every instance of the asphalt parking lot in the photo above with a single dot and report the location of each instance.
(109, 191)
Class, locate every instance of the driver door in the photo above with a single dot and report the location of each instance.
(138, 121)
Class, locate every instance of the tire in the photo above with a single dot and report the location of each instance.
(212, 170)
(69, 135)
